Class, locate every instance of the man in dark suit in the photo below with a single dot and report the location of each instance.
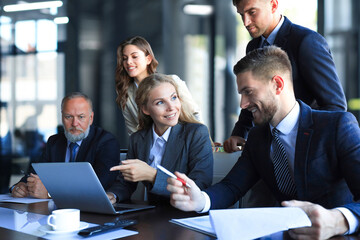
(319, 157)
(314, 75)
(80, 142)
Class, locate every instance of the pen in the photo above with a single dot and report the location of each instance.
(26, 174)
(167, 172)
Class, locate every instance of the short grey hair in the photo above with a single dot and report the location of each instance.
(76, 95)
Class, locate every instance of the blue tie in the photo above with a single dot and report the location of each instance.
(73, 147)
(281, 167)
(265, 43)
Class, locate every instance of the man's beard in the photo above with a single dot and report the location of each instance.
(75, 138)
(267, 111)
(267, 114)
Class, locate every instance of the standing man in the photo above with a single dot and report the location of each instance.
(80, 142)
(308, 158)
(315, 80)
(313, 70)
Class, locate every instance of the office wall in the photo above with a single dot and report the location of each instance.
(98, 27)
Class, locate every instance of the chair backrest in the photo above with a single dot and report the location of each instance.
(223, 162)
(123, 153)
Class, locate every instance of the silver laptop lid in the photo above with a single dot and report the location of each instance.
(75, 185)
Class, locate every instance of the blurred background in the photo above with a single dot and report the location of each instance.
(57, 47)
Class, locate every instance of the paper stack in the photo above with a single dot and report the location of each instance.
(247, 223)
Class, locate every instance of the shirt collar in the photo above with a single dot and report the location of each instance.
(165, 136)
(290, 121)
(78, 143)
(272, 36)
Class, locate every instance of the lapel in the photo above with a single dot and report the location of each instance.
(131, 99)
(283, 34)
(61, 148)
(303, 142)
(264, 155)
(280, 40)
(85, 145)
(253, 44)
(174, 146)
(144, 145)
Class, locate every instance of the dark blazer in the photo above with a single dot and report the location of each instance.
(188, 150)
(326, 167)
(100, 148)
(314, 75)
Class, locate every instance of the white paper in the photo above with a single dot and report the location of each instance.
(201, 224)
(250, 223)
(8, 198)
(30, 223)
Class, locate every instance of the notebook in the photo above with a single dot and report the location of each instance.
(76, 185)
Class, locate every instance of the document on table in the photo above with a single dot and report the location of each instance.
(8, 198)
(201, 224)
(32, 223)
(249, 223)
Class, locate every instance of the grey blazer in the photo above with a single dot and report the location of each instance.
(188, 150)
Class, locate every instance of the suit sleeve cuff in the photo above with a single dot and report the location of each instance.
(351, 219)
(207, 203)
(12, 188)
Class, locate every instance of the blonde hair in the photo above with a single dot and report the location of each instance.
(142, 97)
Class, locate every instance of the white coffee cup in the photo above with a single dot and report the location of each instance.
(64, 219)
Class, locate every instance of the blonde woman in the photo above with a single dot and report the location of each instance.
(168, 135)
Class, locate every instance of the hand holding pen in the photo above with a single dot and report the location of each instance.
(170, 174)
(184, 198)
(20, 190)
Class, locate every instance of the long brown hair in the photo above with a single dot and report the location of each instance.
(122, 78)
(142, 97)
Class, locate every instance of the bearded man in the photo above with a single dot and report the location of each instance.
(80, 142)
(307, 158)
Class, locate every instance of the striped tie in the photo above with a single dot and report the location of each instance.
(281, 167)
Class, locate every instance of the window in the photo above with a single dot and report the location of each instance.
(31, 84)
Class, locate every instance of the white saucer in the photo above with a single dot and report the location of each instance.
(48, 229)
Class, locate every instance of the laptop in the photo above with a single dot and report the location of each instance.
(76, 185)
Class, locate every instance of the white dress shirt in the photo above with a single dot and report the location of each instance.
(156, 153)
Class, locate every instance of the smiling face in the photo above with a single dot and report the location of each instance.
(163, 106)
(257, 16)
(77, 117)
(135, 62)
(257, 96)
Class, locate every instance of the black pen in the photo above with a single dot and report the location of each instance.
(25, 174)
